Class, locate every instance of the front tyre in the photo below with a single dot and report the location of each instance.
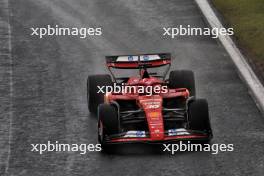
(108, 124)
(198, 116)
(94, 98)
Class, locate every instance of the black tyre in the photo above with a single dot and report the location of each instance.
(198, 116)
(108, 120)
(108, 124)
(182, 79)
(93, 97)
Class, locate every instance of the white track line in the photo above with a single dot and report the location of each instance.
(243, 67)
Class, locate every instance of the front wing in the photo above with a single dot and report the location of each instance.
(169, 136)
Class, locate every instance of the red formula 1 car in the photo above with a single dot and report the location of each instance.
(145, 106)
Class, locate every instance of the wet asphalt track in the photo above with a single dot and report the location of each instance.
(49, 101)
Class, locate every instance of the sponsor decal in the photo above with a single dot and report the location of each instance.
(138, 58)
(154, 114)
(130, 58)
(153, 106)
(179, 131)
(135, 134)
(145, 57)
(140, 133)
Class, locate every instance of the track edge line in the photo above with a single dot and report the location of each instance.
(244, 69)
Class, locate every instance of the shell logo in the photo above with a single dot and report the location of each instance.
(154, 114)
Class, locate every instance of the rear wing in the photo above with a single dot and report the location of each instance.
(138, 61)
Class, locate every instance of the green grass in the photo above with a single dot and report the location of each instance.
(247, 19)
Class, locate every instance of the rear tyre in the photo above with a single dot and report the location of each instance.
(198, 116)
(108, 124)
(93, 97)
(182, 79)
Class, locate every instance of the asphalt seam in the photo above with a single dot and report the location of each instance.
(244, 69)
(6, 52)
